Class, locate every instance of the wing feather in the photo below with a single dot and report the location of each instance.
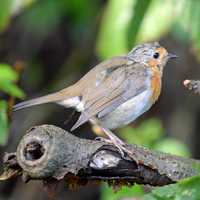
(119, 85)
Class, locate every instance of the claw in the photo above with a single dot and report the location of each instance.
(113, 139)
(120, 147)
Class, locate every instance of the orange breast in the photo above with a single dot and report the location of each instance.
(155, 85)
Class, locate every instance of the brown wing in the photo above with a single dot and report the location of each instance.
(116, 85)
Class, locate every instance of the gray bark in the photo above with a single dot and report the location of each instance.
(50, 153)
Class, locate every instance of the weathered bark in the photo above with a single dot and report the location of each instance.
(50, 153)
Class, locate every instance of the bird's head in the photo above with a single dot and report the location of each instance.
(151, 54)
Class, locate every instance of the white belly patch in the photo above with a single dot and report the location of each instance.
(128, 111)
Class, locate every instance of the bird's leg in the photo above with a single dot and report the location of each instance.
(69, 117)
(113, 139)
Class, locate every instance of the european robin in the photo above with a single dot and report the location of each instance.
(116, 91)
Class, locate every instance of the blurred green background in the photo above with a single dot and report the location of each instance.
(45, 45)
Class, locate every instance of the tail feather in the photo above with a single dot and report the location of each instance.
(57, 97)
(37, 101)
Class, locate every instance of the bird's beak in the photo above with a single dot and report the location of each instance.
(171, 56)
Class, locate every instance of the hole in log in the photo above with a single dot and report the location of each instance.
(33, 151)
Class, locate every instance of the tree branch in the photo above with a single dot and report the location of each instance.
(193, 85)
(50, 153)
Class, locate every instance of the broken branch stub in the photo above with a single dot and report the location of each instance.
(46, 151)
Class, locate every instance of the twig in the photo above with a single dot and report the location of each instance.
(193, 85)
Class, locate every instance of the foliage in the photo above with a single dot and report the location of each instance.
(8, 77)
(184, 190)
(150, 134)
(113, 32)
(108, 194)
(139, 21)
(4, 13)
(147, 133)
(10, 8)
(173, 146)
(3, 123)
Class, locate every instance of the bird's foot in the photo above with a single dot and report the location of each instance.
(117, 142)
(112, 139)
(119, 146)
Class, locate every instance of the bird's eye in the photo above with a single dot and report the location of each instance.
(156, 55)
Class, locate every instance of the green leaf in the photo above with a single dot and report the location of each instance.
(158, 20)
(3, 123)
(42, 17)
(7, 73)
(7, 77)
(5, 10)
(172, 146)
(108, 193)
(134, 21)
(112, 38)
(11, 89)
(187, 189)
(80, 11)
(188, 23)
(140, 9)
(146, 134)
(9, 8)
(18, 6)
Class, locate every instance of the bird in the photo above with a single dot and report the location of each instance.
(116, 91)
